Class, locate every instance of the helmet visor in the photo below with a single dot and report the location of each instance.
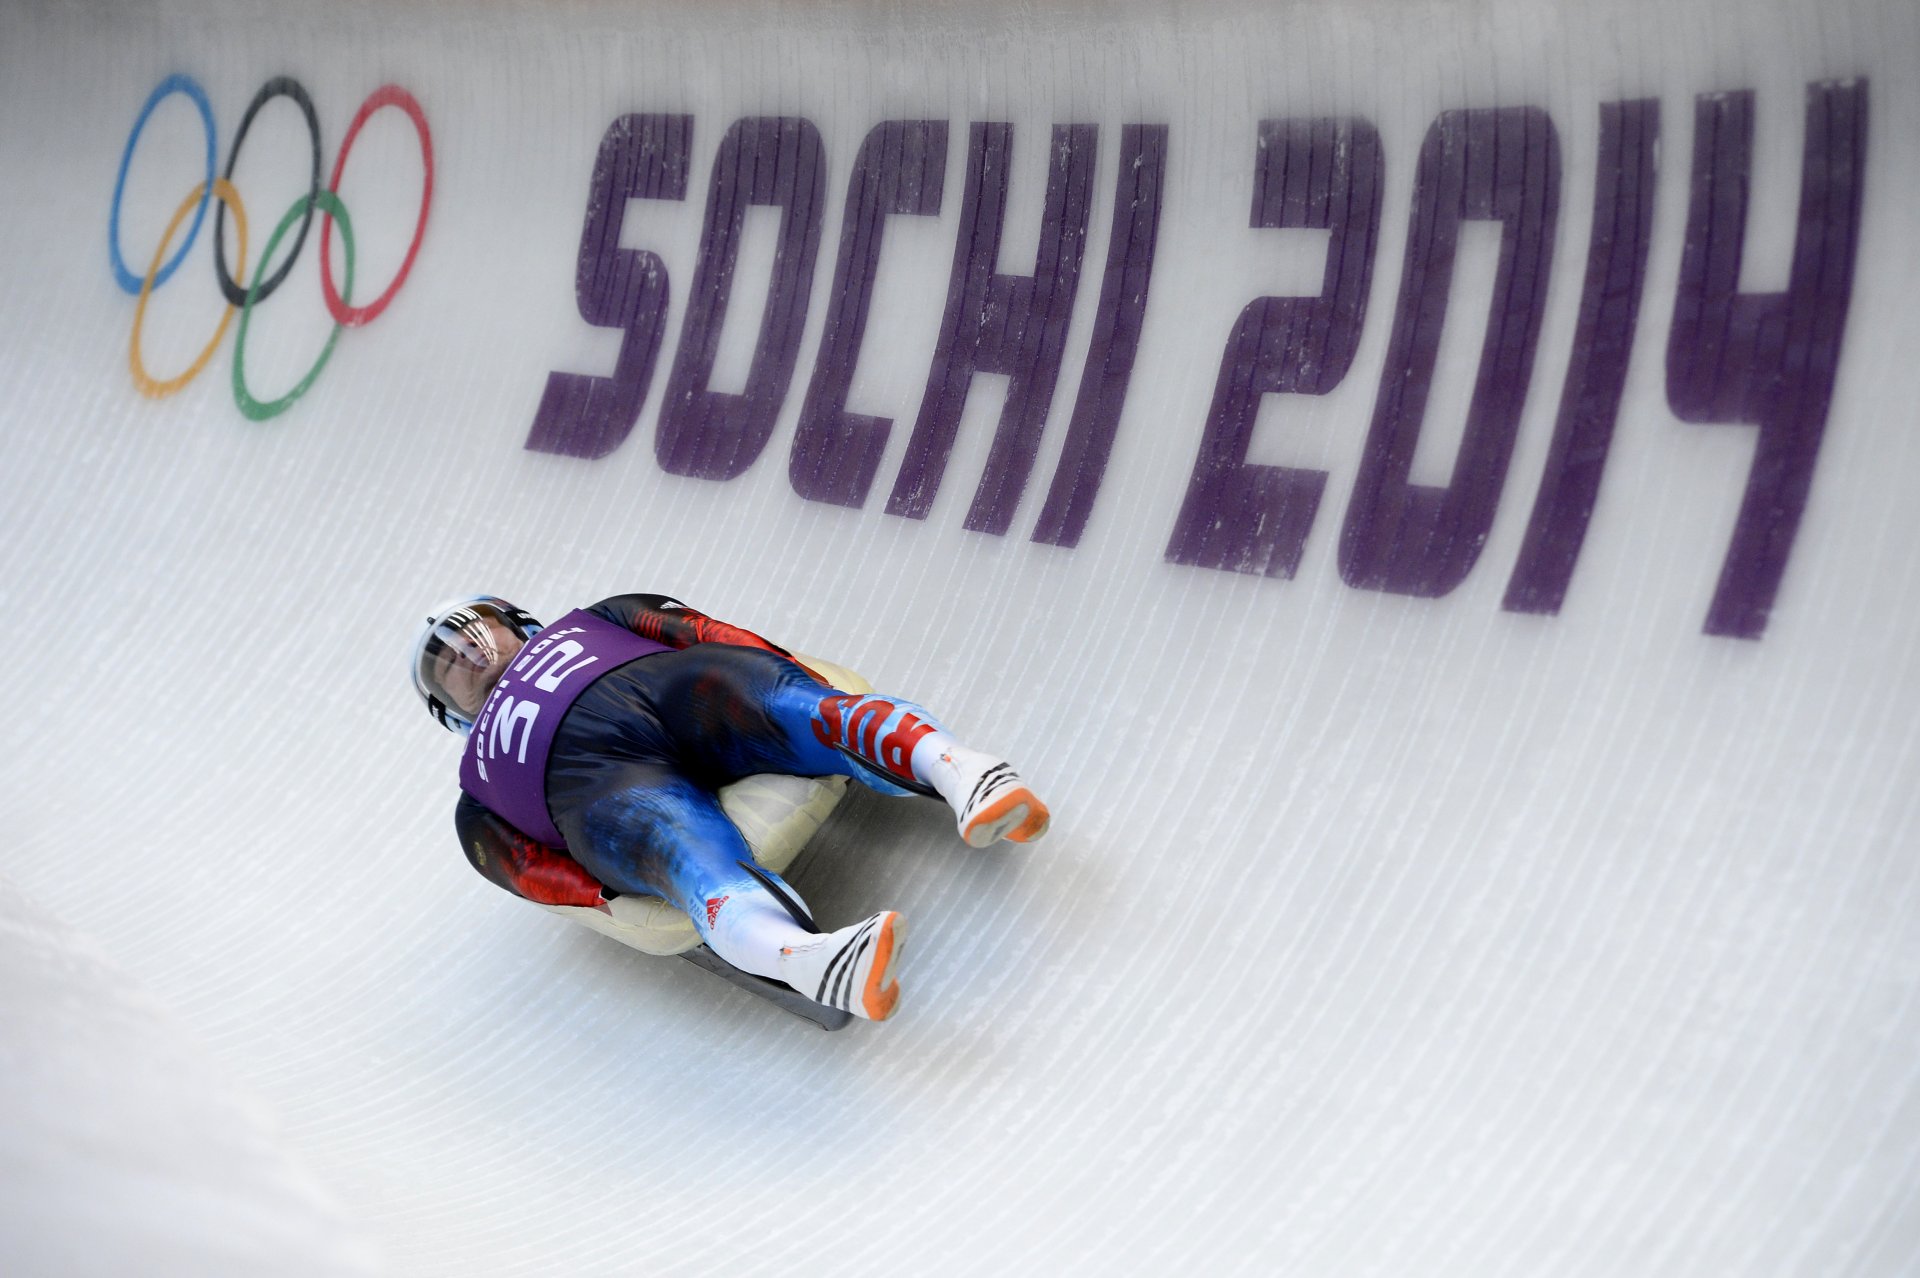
(466, 651)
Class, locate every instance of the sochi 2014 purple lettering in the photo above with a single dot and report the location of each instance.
(900, 169)
(1590, 400)
(1501, 166)
(777, 163)
(1252, 518)
(642, 157)
(1768, 361)
(1010, 324)
(1121, 310)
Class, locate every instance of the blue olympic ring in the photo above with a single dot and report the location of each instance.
(129, 280)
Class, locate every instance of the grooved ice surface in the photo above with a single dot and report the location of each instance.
(125, 1148)
(1500, 864)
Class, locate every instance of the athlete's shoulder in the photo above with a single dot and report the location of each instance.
(622, 609)
(642, 599)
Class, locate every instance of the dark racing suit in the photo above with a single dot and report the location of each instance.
(637, 760)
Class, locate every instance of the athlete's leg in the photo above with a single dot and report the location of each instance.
(660, 834)
(740, 710)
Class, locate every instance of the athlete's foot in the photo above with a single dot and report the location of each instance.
(851, 969)
(989, 799)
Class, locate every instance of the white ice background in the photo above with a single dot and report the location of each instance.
(1374, 934)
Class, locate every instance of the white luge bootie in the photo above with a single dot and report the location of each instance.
(989, 800)
(851, 969)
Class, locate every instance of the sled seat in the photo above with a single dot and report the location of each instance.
(777, 814)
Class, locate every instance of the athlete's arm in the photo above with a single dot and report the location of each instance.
(523, 866)
(664, 619)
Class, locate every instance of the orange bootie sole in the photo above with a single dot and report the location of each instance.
(1018, 816)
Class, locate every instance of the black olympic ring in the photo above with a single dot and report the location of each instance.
(280, 86)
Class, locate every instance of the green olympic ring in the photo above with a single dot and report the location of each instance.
(330, 204)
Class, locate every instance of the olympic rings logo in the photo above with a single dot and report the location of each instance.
(211, 188)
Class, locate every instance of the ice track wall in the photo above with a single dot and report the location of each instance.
(1425, 488)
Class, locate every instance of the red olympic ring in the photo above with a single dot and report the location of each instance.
(385, 95)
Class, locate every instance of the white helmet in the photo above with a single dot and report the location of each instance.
(464, 649)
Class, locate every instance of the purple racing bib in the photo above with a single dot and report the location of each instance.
(505, 766)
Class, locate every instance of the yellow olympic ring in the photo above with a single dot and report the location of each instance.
(224, 192)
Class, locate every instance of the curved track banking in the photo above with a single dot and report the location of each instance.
(1422, 487)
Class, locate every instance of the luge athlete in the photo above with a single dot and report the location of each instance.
(596, 747)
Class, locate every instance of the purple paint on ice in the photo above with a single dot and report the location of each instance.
(1766, 359)
(641, 157)
(901, 168)
(1241, 517)
(1603, 341)
(1116, 337)
(505, 764)
(776, 162)
(1497, 165)
(994, 323)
